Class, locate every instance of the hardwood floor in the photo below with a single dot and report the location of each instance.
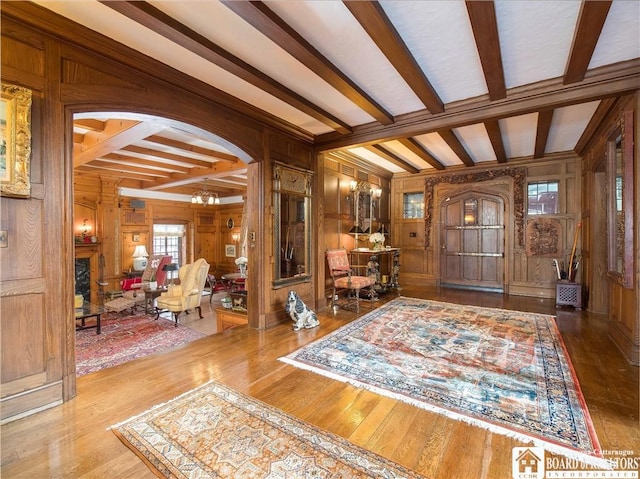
(73, 440)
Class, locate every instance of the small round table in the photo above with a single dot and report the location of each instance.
(233, 281)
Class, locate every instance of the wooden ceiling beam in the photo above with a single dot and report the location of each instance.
(161, 23)
(454, 143)
(177, 159)
(141, 162)
(217, 170)
(180, 145)
(604, 82)
(542, 132)
(273, 27)
(417, 149)
(392, 157)
(591, 18)
(485, 31)
(374, 20)
(495, 136)
(359, 163)
(90, 124)
(130, 133)
(119, 168)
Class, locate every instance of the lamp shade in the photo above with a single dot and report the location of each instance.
(140, 252)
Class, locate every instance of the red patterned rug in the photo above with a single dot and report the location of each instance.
(505, 371)
(124, 338)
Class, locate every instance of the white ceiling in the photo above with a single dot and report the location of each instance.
(536, 40)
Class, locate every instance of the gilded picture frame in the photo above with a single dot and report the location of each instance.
(15, 149)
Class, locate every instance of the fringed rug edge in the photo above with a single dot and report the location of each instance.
(551, 447)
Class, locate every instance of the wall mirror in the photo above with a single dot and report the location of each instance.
(620, 201)
(292, 225)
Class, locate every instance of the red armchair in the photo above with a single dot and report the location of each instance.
(154, 267)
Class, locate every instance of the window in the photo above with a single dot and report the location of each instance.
(169, 240)
(470, 212)
(413, 205)
(542, 198)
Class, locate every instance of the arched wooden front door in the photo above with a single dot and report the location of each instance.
(472, 241)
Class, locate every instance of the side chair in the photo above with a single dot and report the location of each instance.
(344, 279)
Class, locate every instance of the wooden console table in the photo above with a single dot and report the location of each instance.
(384, 264)
(227, 318)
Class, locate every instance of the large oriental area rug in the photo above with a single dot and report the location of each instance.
(124, 338)
(214, 431)
(506, 371)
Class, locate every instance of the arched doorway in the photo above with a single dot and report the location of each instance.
(127, 166)
(472, 241)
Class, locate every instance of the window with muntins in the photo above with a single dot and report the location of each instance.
(542, 198)
(169, 240)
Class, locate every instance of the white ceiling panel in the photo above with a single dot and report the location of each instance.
(475, 140)
(535, 39)
(434, 143)
(519, 135)
(567, 126)
(443, 27)
(405, 153)
(375, 159)
(620, 37)
(268, 57)
(103, 19)
(331, 28)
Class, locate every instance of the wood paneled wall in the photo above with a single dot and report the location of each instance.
(525, 274)
(622, 304)
(338, 212)
(42, 51)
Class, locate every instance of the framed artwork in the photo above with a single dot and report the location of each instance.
(15, 149)
(230, 250)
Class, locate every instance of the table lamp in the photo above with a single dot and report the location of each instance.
(140, 256)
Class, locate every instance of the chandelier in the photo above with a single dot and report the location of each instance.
(205, 197)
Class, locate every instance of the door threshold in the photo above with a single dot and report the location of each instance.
(471, 287)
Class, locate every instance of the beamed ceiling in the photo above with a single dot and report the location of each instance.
(403, 86)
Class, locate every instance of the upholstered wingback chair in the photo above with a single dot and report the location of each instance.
(188, 294)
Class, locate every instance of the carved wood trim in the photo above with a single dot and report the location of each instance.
(518, 174)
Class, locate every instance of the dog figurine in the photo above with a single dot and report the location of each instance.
(301, 315)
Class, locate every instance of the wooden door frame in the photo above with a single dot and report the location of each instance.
(455, 192)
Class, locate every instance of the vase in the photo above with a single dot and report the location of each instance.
(377, 246)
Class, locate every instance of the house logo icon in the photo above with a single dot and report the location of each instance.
(527, 463)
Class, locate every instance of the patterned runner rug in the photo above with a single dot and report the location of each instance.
(214, 431)
(506, 371)
(124, 338)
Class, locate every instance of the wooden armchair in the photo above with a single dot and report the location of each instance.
(344, 279)
(188, 294)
